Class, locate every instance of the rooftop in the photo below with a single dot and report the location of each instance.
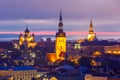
(18, 68)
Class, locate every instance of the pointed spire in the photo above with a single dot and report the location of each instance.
(60, 22)
(91, 21)
(26, 26)
(60, 15)
(91, 34)
(60, 26)
(27, 30)
(91, 26)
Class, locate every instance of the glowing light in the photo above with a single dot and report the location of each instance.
(93, 63)
(113, 50)
(53, 78)
(109, 52)
(77, 46)
(60, 46)
(97, 53)
(91, 37)
(51, 57)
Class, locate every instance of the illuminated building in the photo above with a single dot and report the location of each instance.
(100, 77)
(94, 50)
(97, 53)
(99, 48)
(51, 57)
(77, 46)
(91, 34)
(45, 77)
(19, 72)
(91, 77)
(94, 47)
(60, 43)
(53, 78)
(95, 63)
(115, 49)
(27, 39)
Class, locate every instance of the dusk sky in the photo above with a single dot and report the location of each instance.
(43, 15)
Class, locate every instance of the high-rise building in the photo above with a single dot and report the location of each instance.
(91, 34)
(60, 43)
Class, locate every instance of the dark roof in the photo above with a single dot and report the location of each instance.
(84, 70)
(20, 68)
(63, 77)
(27, 30)
(60, 34)
(17, 58)
(4, 68)
(67, 67)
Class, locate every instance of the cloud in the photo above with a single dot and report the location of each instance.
(49, 9)
(52, 25)
(42, 15)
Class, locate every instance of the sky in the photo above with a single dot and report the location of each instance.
(42, 16)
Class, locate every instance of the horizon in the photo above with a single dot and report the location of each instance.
(10, 37)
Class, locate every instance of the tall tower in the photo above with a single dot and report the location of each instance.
(60, 43)
(91, 34)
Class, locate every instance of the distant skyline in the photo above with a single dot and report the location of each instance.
(42, 16)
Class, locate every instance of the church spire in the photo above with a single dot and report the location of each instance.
(60, 19)
(60, 26)
(91, 27)
(91, 34)
(27, 30)
(60, 23)
(91, 21)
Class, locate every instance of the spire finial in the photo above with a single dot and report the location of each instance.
(91, 21)
(27, 30)
(60, 15)
(26, 26)
(91, 26)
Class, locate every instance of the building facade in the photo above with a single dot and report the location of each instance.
(115, 49)
(27, 39)
(19, 73)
